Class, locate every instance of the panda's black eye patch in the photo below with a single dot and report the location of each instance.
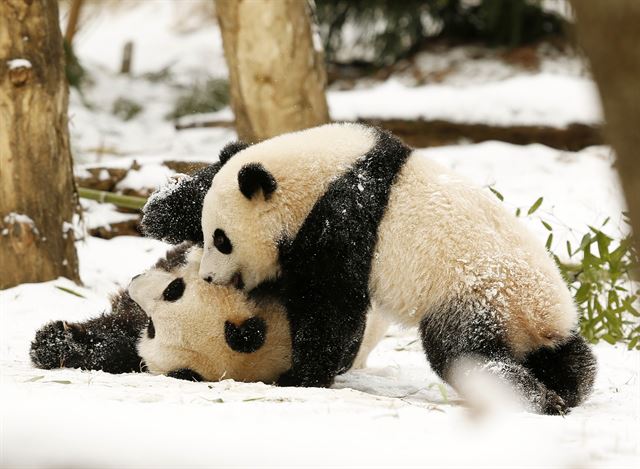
(174, 290)
(221, 242)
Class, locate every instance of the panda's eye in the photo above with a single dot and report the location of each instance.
(221, 242)
(174, 290)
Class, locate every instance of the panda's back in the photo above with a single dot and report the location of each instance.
(442, 240)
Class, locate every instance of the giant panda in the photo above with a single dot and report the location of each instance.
(344, 217)
(171, 322)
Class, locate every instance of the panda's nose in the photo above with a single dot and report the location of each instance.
(208, 279)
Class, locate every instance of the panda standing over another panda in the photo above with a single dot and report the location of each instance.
(344, 217)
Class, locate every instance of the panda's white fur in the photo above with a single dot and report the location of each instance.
(443, 255)
(189, 333)
(462, 241)
(304, 164)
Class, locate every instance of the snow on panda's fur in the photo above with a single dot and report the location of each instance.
(344, 217)
(212, 332)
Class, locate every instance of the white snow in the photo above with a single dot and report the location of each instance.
(18, 63)
(96, 214)
(160, 33)
(540, 99)
(12, 218)
(148, 176)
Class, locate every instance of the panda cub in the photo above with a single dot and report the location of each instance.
(345, 217)
(171, 322)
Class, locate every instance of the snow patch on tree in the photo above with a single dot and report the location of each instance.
(18, 63)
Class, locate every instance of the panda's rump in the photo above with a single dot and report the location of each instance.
(442, 240)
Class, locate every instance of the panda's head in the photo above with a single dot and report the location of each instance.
(213, 330)
(262, 195)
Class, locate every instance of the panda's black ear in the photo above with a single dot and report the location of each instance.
(248, 337)
(231, 149)
(253, 177)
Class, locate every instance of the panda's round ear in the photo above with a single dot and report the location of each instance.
(231, 149)
(253, 177)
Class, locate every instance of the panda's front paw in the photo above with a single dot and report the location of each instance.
(555, 405)
(59, 344)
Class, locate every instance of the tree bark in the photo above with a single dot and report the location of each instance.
(609, 32)
(277, 77)
(37, 192)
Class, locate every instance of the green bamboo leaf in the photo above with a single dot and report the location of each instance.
(549, 241)
(69, 290)
(586, 241)
(34, 379)
(535, 206)
(497, 194)
(546, 225)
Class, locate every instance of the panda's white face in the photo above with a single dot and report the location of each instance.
(213, 330)
(263, 195)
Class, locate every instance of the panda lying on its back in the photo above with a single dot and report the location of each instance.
(208, 332)
(171, 322)
(344, 217)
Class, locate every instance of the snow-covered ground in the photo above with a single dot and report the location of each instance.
(393, 413)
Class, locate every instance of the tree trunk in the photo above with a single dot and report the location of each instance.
(610, 35)
(37, 192)
(277, 77)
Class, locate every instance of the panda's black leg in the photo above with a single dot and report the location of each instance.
(107, 342)
(325, 341)
(468, 330)
(568, 369)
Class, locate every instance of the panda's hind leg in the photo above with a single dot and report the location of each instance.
(466, 329)
(569, 369)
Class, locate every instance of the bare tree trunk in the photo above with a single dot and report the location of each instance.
(609, 31)
(277, 77)
(37, 192)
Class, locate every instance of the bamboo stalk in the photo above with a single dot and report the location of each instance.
(124, 201)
